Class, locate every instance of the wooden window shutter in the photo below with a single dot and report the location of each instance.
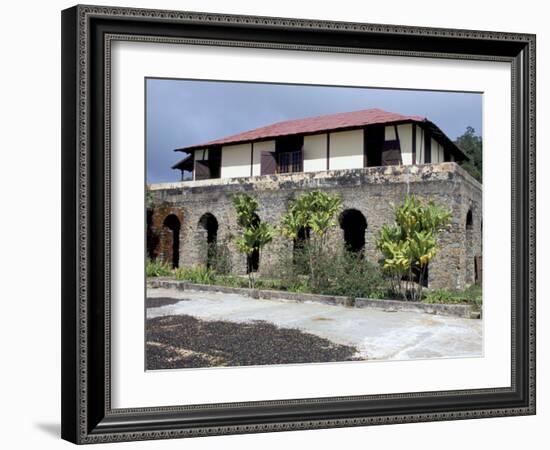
(427, 147)
(446, 154)
(391, 153)
(268, 163)
(202, 169)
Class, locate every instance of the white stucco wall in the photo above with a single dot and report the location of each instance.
(259, 147)
(438, 154)
(346, 150)
(435, 151)
(420, 145)
(405, 139)
(315, 153)
(236, 160)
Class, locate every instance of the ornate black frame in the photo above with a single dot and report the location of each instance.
(87, 31)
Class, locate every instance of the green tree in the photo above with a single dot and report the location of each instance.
(314, 211)
(254, 234)
(471, 145)
(149, 199)
(410, 243)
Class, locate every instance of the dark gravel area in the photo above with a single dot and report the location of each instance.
(156, 302)
(182, 341)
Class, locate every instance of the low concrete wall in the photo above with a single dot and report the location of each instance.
(464, 311)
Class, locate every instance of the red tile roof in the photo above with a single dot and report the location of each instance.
(311, 125)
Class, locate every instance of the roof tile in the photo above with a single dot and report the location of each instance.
(310, 125)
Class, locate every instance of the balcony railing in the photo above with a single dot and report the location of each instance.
(290, 162)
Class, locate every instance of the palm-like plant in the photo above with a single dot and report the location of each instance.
(254, 234)
(410, 244)
(315, 211)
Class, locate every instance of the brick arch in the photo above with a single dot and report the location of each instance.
(165, 222)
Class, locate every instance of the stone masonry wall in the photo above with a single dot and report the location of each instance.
(370, 190)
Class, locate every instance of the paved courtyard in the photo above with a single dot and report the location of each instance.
(374, 334)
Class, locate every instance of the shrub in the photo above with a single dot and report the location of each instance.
(219, 257)
(338, 273)
(287, 268)
(156, 268)
(349, 274)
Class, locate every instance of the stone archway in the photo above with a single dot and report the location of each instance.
(172, 235)
(208, 226)
(354, 224)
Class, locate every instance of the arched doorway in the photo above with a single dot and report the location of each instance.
(469, 220)
(209, 225)
(174, 225)
(354, 225)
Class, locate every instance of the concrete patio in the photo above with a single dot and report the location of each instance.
(376, 334)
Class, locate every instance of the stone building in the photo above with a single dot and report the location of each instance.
(370, 158)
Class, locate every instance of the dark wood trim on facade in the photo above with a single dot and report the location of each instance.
(414, 143)
(397, 137)
(328, 151)
(427, 147)
(252, 159)
(364, 147)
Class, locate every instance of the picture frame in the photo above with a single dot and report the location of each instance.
(87, 413)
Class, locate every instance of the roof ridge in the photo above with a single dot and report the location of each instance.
(321, 116)
(311, 124)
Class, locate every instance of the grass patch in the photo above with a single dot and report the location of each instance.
(155, 268)
(197, 274)
(470, 296)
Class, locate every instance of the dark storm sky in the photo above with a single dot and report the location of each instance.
(181, 112)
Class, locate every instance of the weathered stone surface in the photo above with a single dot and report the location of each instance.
(370, 190)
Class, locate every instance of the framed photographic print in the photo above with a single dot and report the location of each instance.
(278, 224)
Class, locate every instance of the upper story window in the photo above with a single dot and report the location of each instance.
(290, 162)
(288, 156)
